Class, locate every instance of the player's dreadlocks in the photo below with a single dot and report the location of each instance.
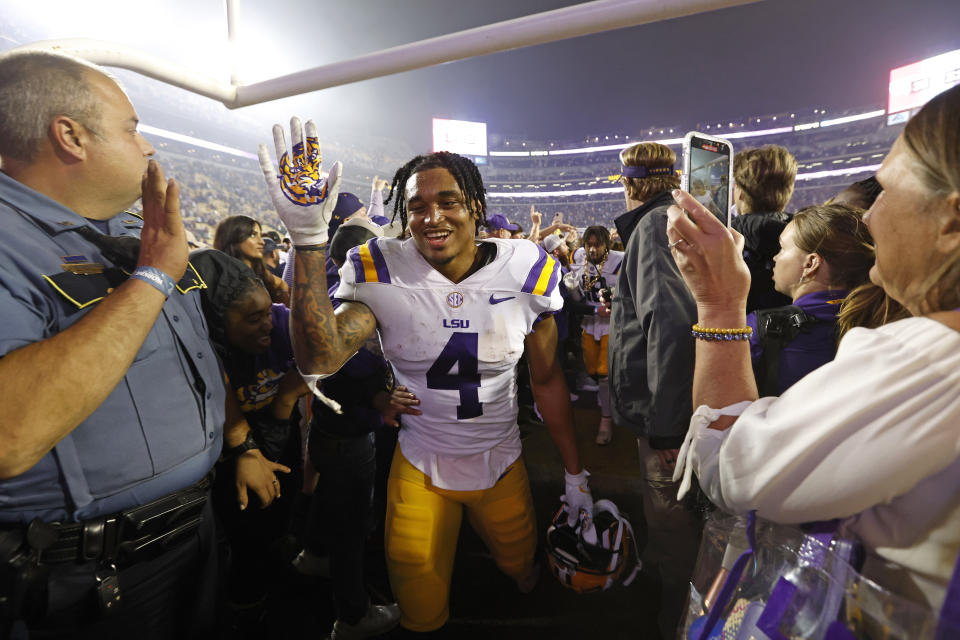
(463, 170)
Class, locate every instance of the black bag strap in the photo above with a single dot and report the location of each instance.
(776, 328)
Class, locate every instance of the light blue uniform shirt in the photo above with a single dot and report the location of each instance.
(161, 428)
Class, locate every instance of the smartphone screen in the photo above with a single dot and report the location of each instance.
(708, 173)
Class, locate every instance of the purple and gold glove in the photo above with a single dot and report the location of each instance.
(303, 198)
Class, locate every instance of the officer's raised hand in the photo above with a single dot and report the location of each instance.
(163, 242)
(304, 200)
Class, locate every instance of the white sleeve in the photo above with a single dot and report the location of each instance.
(288, 268)
(855, 433)
(375, 204)
(347, 289)
(575, 275)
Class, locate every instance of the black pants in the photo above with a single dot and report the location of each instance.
(171, 596)
(255, 535)
(341, 514)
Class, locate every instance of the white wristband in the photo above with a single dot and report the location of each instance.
(309, 239)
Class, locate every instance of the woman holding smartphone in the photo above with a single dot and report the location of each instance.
(872, 437)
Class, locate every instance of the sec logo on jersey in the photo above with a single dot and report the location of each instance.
(455, 300)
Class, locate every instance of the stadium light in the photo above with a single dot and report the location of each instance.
(762, 132)
(197, 142)
(609, 147)
(853, 118)
(813, 175)
(555, 194)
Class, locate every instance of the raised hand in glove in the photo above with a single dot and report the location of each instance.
(304, 200)
(577, 496)
(571, 281)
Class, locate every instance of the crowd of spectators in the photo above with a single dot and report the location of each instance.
(221, 185)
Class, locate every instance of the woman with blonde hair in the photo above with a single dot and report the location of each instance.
(872, 438)
(825, 252)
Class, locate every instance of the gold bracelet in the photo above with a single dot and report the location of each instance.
(717, 335)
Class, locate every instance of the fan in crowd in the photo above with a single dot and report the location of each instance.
(860, 194)
(241, 237)
(763, 183)
(342, 447)
(871, 437)
(498, 226)
(592, 285)
(271, 257)
(252, 338)
(825, 252)
(651, 366)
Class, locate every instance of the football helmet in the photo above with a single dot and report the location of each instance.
(592, 555)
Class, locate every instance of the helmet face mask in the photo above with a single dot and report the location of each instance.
(588, 560)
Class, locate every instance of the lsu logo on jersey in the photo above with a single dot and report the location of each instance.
(300, 178)
(456, 323)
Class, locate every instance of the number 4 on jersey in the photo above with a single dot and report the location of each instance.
(460, 350)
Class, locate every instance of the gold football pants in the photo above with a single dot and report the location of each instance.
(594, 354)
(423, 524)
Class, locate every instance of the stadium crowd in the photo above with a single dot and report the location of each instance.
(318, 369)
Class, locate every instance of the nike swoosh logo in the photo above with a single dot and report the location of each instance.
(494, 300)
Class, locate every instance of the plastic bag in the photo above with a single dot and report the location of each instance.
(756, 579)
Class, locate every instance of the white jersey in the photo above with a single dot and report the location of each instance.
(585, 273)
(455, 345)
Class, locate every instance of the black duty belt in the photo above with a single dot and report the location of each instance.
(124, 537)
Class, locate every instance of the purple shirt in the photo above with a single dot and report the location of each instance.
(811, 348)
(258, 390)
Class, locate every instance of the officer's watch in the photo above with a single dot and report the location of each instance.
(249, 443)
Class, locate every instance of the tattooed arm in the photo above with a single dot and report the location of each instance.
(305, 201)
(323, 340)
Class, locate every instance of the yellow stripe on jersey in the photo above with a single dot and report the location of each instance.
(544, 278)
(369, 269)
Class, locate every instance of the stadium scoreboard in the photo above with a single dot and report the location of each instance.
(460, 136)
(911, 86)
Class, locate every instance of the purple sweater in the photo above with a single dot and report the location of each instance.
(811, 348)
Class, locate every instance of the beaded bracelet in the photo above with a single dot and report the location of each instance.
(721, 335)
(155, 278)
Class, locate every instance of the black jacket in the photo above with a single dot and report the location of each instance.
(761, 235)
(651, 351)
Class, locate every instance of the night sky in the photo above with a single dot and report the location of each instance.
(768, 57)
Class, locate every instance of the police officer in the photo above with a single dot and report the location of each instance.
(114, 403)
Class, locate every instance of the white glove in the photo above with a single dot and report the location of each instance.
(572, 282)
(301, 196)
(577, 496)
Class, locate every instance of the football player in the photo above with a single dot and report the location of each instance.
(454, 315)
(592, 282)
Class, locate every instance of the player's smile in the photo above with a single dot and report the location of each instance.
(443, 226)
(437, 238)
